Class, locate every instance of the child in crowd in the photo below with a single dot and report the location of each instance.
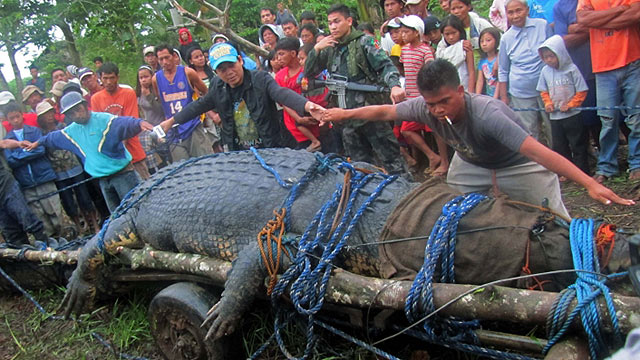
(472, 23)
(432, 33)
(316, 95)
(287, 50)
(33, 172)
(487, 82)
(445, 5)
(332, 142)
(415, 54)
(393, 27)
(451, 49)
(562, 88)
(68, 172)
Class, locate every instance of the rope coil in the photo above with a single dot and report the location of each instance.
(268, 235)
(587, 288)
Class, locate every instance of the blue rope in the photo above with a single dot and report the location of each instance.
(586, 289)
(472, 349)
(585, 108)
(270, 169)
(440, 250)
(126, 204)
(309, 282)
(356, 341)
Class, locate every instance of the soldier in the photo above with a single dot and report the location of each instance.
(350, 53)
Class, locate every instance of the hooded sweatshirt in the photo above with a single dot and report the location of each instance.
(185, 46)
(275, 28)
(564, 85)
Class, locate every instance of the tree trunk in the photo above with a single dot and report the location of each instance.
(11, 51)
(363, 11)
(71, 42)
(3, 81)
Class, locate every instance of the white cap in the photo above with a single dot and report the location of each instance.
(5, 97)
(43, 107)
(414, 22)
(393, 23)
(149, 49)
(413, 2)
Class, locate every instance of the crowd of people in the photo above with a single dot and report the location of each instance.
(434, 85)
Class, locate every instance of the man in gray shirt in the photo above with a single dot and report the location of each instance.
(493, 149)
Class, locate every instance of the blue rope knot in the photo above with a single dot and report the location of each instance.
(587, 288)
(307, 277)
(440, 249)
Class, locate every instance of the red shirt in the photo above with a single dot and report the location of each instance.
(30, 119)
(283, 79)
(121, 103)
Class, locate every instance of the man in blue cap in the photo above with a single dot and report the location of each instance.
(96, 138)
(246, 102)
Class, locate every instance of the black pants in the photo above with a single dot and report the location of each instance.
(16, 219)
(81, 194)
(570, 140)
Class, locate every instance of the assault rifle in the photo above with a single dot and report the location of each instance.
(338, 85)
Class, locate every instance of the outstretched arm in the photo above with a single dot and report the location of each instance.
(9, 144)
(370, 113)
(561, 166)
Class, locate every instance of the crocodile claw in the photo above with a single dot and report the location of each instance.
(79, 296)
(222, 322)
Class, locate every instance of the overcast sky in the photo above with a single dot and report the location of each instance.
(23, 58)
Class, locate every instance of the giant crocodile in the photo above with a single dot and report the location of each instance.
(216, 205)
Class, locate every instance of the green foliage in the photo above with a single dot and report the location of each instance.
(117, 30)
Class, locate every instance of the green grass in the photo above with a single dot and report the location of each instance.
(34, 336)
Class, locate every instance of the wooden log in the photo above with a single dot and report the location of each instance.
(571, 348)
(493, 303)
(46, 256)
(149, 258)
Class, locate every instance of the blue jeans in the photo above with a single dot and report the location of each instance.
(115, 187)
(618, 87)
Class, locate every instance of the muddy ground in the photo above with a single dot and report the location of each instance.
(26, 334)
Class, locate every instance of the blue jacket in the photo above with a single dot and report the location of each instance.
(98, 143)
(30, 168)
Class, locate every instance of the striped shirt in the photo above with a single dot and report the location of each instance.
(412, 59)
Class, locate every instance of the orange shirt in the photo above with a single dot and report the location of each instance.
(121, 103)
(612, 49)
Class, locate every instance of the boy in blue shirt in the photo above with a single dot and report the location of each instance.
(33, 172)
(96, 138)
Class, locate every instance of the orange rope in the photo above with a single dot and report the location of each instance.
(525, 269)
(268, 235)
(605, 236)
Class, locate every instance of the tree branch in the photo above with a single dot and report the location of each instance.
(222, 29)
(210, 6)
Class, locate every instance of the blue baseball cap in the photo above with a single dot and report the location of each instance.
(222, 52)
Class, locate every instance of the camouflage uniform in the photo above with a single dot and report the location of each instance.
(358, 58)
